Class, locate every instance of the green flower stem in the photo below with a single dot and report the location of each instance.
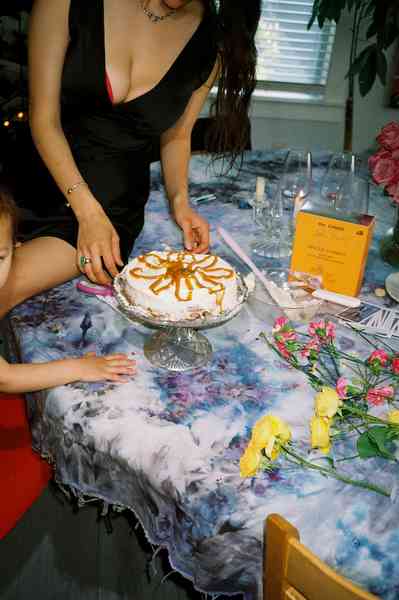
(323, 376)
(381, 342)
(331, 376)
(385, 379)
(347, 458)
(367, 417)
(333, 473)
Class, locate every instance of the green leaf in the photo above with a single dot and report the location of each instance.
(368, 72)
(382, 67)
(361, 60)
(372, 7)
(320, 20)
(315, 12)
(372, 30)
(376, 441)
(391, 34)
(366, 447)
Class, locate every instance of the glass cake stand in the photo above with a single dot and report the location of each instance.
(177, 346)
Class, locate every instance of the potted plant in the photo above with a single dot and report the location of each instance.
(375, 23)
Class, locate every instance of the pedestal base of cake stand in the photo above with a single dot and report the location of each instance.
(178, 349)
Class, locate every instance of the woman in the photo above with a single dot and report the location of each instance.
(108, 80)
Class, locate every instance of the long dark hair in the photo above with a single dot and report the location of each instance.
(236, 24)
(8, 209)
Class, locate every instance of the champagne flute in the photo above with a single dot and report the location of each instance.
(339, 167)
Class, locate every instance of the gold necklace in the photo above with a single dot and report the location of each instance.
(153, 17)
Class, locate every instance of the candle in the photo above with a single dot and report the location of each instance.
(260, 189)
(298, 203)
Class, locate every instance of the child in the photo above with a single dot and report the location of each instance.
(32, 377)
(23, 474)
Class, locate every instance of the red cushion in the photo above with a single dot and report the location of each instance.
(23, 474)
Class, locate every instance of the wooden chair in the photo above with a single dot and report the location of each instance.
(292, 572)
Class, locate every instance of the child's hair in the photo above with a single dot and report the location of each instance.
(8, 208)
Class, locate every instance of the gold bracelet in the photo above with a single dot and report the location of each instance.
(73, 188)
(76, 185)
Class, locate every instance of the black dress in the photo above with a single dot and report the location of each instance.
(112, 144)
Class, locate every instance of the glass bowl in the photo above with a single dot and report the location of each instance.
(300, 306)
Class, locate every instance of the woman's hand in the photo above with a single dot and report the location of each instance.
(195, 230)
(98, 243)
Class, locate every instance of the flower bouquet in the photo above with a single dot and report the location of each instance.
(384, 167)
(350, 390)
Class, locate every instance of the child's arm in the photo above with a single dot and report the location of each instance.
(32, 377)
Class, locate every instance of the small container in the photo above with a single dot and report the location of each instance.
(300, 309)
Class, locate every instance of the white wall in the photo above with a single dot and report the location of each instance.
(319, 124)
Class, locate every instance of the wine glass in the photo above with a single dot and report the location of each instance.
(294, 186)
(353, 196)
(296, 179)
(339, 167)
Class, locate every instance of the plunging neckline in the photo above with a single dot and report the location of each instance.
(166, 74)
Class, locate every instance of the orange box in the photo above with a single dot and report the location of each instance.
(336, 249)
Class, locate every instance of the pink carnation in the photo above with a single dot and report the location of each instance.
(379, 355)
(342, 387)
(286, 336)
(314, 326)
(395, 366)
(377, 396)
(280, 323)
(323, 330)
(389, 136)
(282, 348)
(314, 344)
(330, 330)
(382, 153)
(386, 171)
(393, 190)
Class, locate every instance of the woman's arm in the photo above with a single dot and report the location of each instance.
(34, 377)
(48, 42)
(175, 158)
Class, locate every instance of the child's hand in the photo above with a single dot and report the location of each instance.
(111, 368)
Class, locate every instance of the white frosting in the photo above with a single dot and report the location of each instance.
(179, 285)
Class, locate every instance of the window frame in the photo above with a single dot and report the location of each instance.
(315, 89)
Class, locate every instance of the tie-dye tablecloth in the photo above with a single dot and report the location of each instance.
(167, 445)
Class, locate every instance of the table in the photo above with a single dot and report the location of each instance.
(167, 445)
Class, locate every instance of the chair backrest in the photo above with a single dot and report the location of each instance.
(292, 572)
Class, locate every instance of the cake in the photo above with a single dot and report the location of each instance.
(178, 285)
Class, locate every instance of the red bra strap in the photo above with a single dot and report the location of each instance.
(109, 88)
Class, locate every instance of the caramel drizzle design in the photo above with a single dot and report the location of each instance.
(184, 270)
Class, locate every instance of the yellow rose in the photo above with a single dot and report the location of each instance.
(320, 433)
(393, 417)
(327, 402)
(249, 461)
(266, 432)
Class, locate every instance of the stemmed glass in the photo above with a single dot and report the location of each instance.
(340, 166)
(295, 185)
(296, 179)
(353, 196)
(277, 216)
(271, 243)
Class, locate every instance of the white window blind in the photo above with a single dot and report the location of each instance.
(287, 51)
